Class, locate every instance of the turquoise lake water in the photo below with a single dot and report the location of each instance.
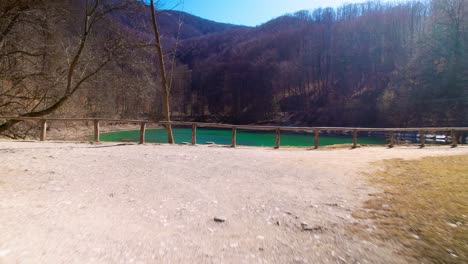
(244, 137)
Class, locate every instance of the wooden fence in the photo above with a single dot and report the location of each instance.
(316, 130)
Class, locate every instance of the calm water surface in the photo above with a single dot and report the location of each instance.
(244, 137)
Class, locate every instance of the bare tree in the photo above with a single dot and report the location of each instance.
(20, 93)
(164, 83)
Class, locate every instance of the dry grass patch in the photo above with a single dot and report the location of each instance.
(424, 207)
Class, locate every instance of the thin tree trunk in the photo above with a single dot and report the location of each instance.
(170, 137)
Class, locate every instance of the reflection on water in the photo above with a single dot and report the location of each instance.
(267, 138)
(244, 137)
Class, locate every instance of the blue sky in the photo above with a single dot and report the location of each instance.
(247, 12)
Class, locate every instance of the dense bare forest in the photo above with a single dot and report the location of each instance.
(366, 64)
(370, 64)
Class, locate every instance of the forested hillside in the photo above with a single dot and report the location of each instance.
(370, 64)
(366, 64)
(86, 58)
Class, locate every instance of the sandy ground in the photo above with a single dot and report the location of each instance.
(110, 203)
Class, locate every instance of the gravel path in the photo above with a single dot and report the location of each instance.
(109, 203)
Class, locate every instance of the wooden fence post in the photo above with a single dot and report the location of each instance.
(234, 137)
(454, 139)
(194, 134)
(354, 138)
(278, 135)
(43, 130)
(392, 142)
(97, 133)
(422, 138)
(142, 133)
(316, 138)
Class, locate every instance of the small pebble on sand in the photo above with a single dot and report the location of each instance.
(219, 219)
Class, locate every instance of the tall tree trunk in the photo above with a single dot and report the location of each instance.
(170, 136)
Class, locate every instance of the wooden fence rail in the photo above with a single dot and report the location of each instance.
(194, 125)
